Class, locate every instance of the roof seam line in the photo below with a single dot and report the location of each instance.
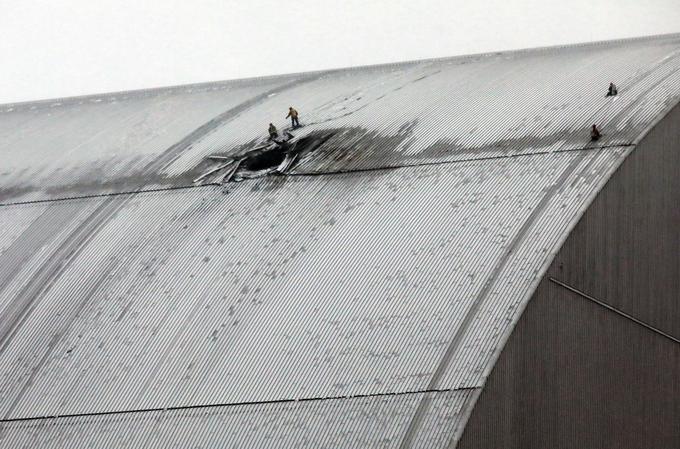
(337, 172)
(110, 194)
(234, 404)
(614, 309)
(458, 161)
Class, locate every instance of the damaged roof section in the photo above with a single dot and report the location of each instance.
(453, 109)
(275, 156)
(468, 108)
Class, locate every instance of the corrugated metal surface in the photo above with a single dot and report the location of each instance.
(306, 286)
(199, 296)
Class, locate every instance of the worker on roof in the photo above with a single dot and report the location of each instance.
(613, 91)
(595, 133)
(293, 114)
(273, 132)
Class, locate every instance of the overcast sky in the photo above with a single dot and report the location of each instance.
(56, 48)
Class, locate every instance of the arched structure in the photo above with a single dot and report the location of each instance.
(446, 259)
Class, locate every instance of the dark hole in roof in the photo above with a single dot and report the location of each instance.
(270, 157)
(263, 160)
(280, 156)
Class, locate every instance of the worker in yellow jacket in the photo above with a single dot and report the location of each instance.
(293, 114)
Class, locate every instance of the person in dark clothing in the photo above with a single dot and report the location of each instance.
(595, 133)
(613, 91)
(273, 132)
(293, 114)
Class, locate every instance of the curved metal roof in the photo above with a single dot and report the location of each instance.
(357, 300)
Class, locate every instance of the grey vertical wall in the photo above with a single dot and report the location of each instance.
(574, 374)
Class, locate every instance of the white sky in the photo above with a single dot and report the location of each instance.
(56, 48)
